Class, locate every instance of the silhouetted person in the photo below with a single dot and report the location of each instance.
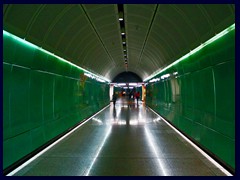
(114, 113)
(137, 96)
(114, 98)
(129, 95)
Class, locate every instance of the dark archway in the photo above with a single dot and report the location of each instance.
(126, 77)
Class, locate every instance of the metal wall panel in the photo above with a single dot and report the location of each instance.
(43, 97)
(6, 97)
(225, 97)
(36, 99)
(19, 100)
(204, 106)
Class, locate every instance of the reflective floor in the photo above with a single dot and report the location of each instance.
(128, 140)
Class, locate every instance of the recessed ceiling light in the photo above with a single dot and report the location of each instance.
(120, 19)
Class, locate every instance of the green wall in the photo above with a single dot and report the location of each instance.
(200, 100)
(42, 97)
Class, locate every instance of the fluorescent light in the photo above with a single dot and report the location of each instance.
(47, 52)
(196, 49)
(120, 19)
(20, 40)
(121, 84)
(6, 33)
(217, 36)
(165, 76)
(155, 80)
(88, 75)
(103, 79)
(132, 84)
(93, 77)
(100, 80)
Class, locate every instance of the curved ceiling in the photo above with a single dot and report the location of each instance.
(89, 35)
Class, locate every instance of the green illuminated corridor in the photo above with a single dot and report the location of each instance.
(60, 71)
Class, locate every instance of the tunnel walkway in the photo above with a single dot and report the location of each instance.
(128, 140)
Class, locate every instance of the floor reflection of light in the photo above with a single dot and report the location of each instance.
(118, 112)
(51, 145)
(150, 140)
(133, 122)
(99, 150)
(115, 119)
(119, 122)
(156, 119)
(97, 120)
(196, 147)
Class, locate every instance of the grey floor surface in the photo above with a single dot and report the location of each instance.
(128, 140)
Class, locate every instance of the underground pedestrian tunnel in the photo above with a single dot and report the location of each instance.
(63, 62)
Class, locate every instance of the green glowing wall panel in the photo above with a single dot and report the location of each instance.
(6, 98)
(48, 101)
(42, 98)
(19, 100)
(35, 99)
(200, 100)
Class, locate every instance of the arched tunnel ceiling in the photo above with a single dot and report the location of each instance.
(89, 35)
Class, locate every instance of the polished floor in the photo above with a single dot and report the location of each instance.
(128, 140)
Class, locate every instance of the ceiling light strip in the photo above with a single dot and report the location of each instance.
(123, 33)
(216, 37)
(52, 54)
